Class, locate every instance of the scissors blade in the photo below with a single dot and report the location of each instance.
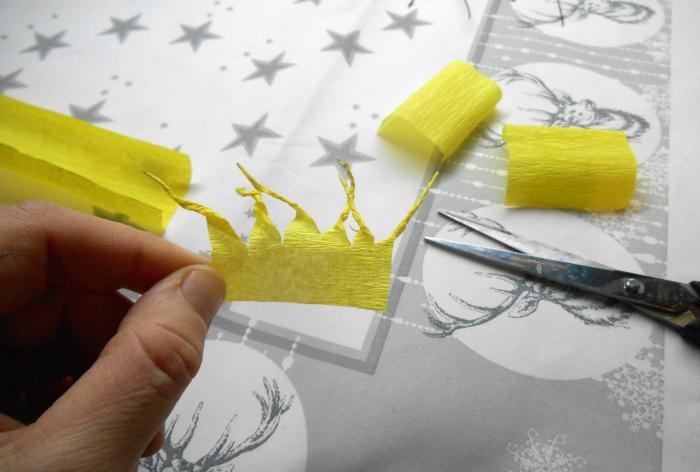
(514, 241)
(666, 295)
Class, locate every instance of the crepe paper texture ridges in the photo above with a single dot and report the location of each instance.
(569, 168)
(46, 155)
(444, 112)
(307, 266)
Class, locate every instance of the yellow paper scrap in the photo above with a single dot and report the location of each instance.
(306, 265)
(569, 168)
(54, 157)
(444, 112)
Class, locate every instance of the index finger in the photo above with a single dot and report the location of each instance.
(44, 244)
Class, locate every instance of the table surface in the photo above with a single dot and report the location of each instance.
(549, 380)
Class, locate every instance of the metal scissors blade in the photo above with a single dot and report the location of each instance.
(666, 295)
(514, 241)
(672, 303)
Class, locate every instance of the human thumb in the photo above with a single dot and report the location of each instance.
(106, 420)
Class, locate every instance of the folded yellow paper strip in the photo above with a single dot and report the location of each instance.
(306, 266)
(570, 168)
(54, 157)
(444, 112)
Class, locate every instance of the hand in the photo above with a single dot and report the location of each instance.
(87, 377)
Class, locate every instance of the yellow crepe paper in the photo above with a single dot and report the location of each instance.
(306, 266)
(54, 157)
(569, 168)
(444, 112)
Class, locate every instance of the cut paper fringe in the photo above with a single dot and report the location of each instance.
(306, 265)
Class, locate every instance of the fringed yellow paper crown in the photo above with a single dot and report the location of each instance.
(306, 266)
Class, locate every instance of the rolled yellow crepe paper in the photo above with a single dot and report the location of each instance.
(569, 168)
(45, 155)
(444, 112)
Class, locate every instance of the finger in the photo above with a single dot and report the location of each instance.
(42, 243)
(155, 444)
(8, 423)
(36, 324)
(91, 320)
(88, 319)
(57, 337)
(126, 396)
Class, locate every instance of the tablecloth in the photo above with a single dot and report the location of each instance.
(469, 368)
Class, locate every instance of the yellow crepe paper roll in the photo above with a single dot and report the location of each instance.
(46, 155)
(570, 168)
(444, 112)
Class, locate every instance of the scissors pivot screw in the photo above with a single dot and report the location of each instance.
(633, 286)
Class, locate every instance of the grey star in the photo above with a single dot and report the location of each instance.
(348, 44)
(90, 114)
(406, 23)
(44, 44)
(344, 151)
(249, 213)
(196, 35)
(269, 69)
(352, 125)
(10, 81)
(122, 28)
(315, 2)
(248, 136)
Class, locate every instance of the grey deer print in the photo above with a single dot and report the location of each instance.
(522, 298)
(544, 106)
(226, 449)
(542, 12)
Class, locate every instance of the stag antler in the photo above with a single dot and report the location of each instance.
(272, 407)
(445, 323)
(177, 448)
(171, 455)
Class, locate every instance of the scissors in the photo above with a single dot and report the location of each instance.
(675, 304)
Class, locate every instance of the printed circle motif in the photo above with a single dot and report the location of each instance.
(555, 94)
(600, 23)
(230, 386)
(531, 327)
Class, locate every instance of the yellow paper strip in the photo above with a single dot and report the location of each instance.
(306, 265)
(444, 112)
(569, 168)
(54, 157)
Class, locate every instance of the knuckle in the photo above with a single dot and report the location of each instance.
(173, 353)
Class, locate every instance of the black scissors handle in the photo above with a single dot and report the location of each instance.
(691, 331)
